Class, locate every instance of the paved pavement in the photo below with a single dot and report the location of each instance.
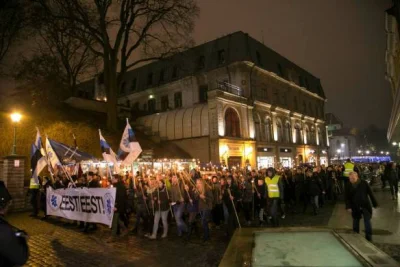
(54, 244)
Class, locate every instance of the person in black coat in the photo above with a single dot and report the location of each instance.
(358, 200)
(393, 178)
(119, 207)
(13, 246)
(313, 188)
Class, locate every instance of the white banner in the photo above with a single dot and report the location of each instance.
(94, 205)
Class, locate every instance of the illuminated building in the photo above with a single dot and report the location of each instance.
(232, 101)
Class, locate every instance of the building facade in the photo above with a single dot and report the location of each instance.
(392, 57)
(231, 101)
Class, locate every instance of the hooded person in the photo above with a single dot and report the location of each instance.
(275, 194)
(14, 249)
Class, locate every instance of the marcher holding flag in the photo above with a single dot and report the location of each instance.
(108, 153)
(129, 148)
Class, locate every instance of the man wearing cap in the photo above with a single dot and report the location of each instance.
(13, 246)
(274, 194)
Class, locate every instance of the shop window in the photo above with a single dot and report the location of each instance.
(178, 99)
(164, 103)
(232, 123)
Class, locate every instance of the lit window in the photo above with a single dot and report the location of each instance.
(232, 123)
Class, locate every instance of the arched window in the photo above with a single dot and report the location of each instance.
(232, 123)
(299, 137)
(287, 132)
(307, 135)
(268, 130)
(313, 136)
(279, 130)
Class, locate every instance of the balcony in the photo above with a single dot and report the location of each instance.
(229, 88)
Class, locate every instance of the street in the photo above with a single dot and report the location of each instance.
(52, 243)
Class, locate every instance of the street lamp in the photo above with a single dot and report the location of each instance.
(367, 152)
(394, 143)
(15, 118)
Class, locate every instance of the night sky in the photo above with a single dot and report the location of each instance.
(342, 42)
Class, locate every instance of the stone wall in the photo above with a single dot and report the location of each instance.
(13, 173)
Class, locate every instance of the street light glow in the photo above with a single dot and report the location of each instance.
(359, 151)
(338, 151)
(394, 143)
(16, 117)
(367, 151)
(342, 144)
(381, 152)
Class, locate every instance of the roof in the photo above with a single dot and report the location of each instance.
(330, 118)
(236, 47)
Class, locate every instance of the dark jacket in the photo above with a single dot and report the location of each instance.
(358, 198)
(93, 184)
(226, 197)
(13, 250)
(393, 175)
(313, 186)
(207, 203)
(120, 197)
(247, 192)
(164, 205)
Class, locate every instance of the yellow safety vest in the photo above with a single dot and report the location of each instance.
(348, 168)
(33, 184)
(272, 185)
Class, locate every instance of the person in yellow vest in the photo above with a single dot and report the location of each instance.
(34, 196)
(348, 168)
(274, 194)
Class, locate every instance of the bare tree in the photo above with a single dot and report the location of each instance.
(121, 28)
(11, 22)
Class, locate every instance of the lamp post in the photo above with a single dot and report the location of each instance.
(15, 118)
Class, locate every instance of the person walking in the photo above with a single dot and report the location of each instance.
(178, 205)
(34, 190)
(393, 178)
(358, 198)
(205, 200)
(313, 188)
(162, 209)
(274, 194)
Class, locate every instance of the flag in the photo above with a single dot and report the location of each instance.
(52, 156)
(129, 148)
(107, 152)
(66, 154)
(38, 162)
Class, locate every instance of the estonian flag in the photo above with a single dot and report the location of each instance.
(38, 160)
(107, 152)
(52, 156)
(129, 148)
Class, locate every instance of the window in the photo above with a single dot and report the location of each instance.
(321, 137)
(178, 99)
(152, 105)
(287, 132)
(201, 63)
(259, 61)
(304, 107)
(307, 85)
(280, 70)
(175, 72)
(203, 93)
(316, 110)
(133, 85)
(164, 103)
(161, 76)
(296, 104)
(268, 130)
(297, 129)
(307, 134)
(122, 88)
(221, 57)
(301, 81)
(232, 123)
(279, 131)
(313, 137)
(150, 78)
(310, 109)
(284, 99)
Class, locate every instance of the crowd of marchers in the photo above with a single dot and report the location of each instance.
(224, 199)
